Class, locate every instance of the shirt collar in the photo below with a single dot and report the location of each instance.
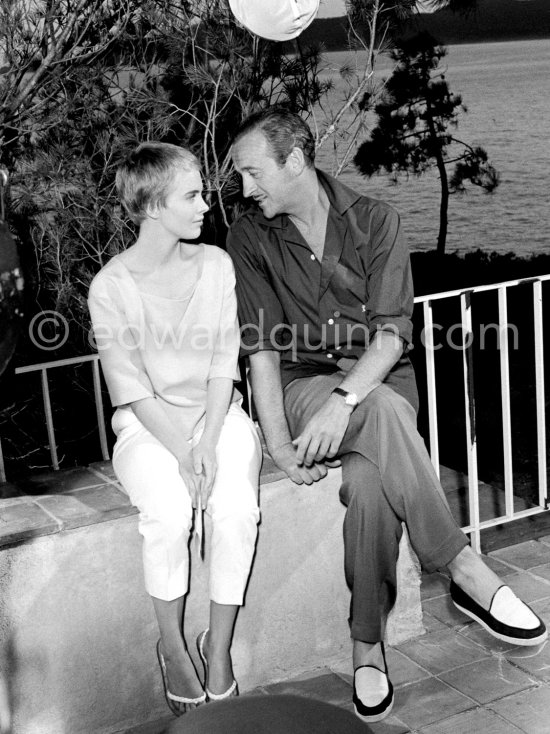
(340, 197)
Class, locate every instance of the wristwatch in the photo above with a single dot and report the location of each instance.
(350, 398)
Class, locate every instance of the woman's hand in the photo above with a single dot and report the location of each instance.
(191, 478)
(205, 466)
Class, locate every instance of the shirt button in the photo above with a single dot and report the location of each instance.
(331, 321)
(337, 314)
(312, 257)
(329, 356)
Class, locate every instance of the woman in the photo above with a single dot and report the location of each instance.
(164, 318)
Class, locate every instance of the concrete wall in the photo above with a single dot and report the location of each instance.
(78, 631)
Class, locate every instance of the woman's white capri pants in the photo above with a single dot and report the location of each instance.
(149, 474)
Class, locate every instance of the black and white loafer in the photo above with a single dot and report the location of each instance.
(372, 692)
(508, 619)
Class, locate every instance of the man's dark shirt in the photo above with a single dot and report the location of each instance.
(316, 313)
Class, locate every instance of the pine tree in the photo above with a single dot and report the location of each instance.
(413, 130)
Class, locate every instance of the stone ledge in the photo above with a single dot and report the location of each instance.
(51, 502)
(81, 632)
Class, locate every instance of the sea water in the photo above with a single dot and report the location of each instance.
(506, 88)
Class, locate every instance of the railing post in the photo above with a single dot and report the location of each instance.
(540, 392)
(2, 467)
(49, 418)
(99, 411)
(467, 364)
(505, 400)
(430, 378)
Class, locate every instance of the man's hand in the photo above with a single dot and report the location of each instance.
(205, 466)
(285, 458)
(323, 434)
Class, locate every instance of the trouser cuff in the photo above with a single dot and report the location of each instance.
(443, 555)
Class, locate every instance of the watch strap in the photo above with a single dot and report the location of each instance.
(339, 391)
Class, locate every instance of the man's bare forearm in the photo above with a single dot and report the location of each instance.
(265, 374)
(373, 367)
(268, 398)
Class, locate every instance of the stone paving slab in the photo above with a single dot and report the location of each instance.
(488, 680)
(533, 660)
(105, 498)
(480, 636)
(433, 585)
(501, 569)
(445, 611)
(442, 651)
(103, 467)
(524, 555)
(528, 587)
(478, 721)
(529, 710)
(543, 571)
(542, 608)
(431, 623)
(429, 701)
(87, 506)
(22, 519)
(57, 482)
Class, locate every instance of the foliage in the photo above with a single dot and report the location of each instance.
(83, 81)
(86, 82)
(414, 120)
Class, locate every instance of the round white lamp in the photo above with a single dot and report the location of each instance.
(276, 20)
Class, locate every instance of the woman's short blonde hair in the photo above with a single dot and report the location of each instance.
(145, 177)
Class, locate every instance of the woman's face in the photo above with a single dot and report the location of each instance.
(183, 212)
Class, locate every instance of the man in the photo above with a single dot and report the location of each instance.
(325, 299)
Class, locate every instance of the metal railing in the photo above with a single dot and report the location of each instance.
(43, 368)
(475, 525)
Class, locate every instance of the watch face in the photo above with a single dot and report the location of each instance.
(351, 399)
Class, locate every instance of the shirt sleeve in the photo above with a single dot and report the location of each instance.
(226, 348)
(263, 322)
(117, 342)
(389, 280)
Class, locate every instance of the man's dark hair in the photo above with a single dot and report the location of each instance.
(284, 130)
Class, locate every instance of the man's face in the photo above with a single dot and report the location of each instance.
(268, 183)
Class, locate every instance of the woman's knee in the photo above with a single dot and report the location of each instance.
(169, 521)
(237, 511)
(239, 442)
